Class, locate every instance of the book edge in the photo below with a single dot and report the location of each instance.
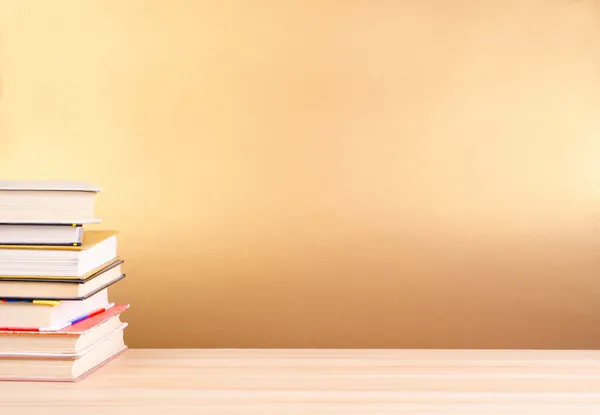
(75, 380)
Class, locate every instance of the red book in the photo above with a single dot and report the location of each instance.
(78, 329)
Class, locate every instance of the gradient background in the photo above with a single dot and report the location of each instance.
(325, 173)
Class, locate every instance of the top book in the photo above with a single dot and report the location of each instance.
(47, 202)
(49, 185)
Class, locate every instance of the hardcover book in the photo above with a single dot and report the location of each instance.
(61, 288)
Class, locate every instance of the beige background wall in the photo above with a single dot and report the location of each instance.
(325, 173)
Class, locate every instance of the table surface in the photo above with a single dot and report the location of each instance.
(192, 381)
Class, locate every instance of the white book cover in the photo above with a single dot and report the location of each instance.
(49, 185)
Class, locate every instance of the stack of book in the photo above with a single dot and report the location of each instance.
(56, 320)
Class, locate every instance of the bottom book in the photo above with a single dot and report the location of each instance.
(67, 355)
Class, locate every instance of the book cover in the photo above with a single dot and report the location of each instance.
(40, 299)
(80, 378)
(90, 239)
(69, 280)
(77, 329)
(49, 186)
(22, 225)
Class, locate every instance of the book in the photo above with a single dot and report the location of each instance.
(62, 288)
(71, 341)
(67, 368)
(56, 320)
(44, 315)
(47, 201)
(41, 234)
(97, 248)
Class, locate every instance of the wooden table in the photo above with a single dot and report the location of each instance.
(169, 382)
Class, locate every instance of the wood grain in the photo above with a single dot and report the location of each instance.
(324, 382)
